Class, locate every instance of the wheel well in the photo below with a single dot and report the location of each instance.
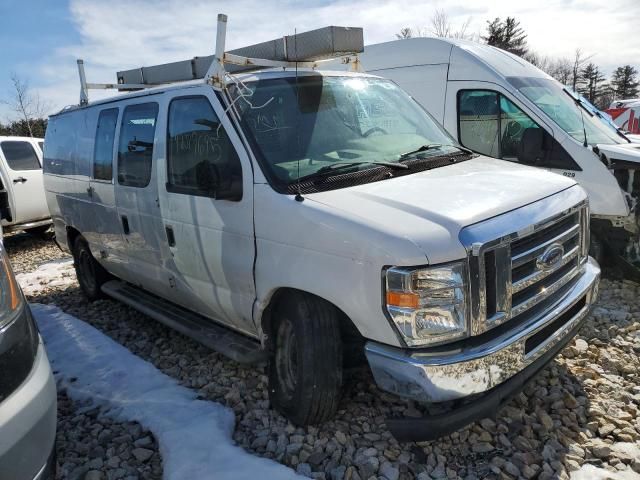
(351, 338)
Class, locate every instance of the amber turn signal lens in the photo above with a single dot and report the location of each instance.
(14, 294)
(402, 299)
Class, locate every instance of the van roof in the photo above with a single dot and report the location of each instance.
(240, 77)
(430, 51)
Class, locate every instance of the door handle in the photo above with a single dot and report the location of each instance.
(171, 238)
(125, 224)
(19, 180)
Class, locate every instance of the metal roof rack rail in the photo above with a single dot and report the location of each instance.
(303, 50)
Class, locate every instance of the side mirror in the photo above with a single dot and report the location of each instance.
(531, 149)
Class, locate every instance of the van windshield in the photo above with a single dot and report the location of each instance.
(549, 96)
(346, 121)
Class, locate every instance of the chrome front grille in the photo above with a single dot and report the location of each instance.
(522, 272)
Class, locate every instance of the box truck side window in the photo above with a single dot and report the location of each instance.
(491, 124)
(20, 155)
(201, 160)
(103, 153)
(135, 150)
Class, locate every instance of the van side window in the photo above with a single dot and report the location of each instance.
(103, 149)
(201, 160)
(136, 144)
(20, 155)
(479, 121)
(491, 124)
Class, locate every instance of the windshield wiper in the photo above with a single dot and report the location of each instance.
(431, 146)
(581, 107)
(342, 165)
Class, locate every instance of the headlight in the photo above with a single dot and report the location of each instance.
(10, 295)
(428, 305)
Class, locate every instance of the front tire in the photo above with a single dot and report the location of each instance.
(305, 371)
(91, 275)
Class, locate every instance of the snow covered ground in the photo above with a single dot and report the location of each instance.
(59, 273)
(194, 435)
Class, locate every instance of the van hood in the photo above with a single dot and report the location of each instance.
(629, 152)
(430, 208)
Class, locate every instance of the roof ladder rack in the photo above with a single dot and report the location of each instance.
(304, 50)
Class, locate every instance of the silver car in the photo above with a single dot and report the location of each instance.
(28, 404)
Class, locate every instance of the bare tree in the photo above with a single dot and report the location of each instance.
(405, 32)
(579, 61)
(25, 103)
(441, 27)
(561, 69)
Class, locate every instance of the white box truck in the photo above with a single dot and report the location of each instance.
(499, 105)
(309, 218)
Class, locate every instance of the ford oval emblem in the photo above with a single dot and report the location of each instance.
(551, 257)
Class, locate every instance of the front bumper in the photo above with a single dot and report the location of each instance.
(28, 424)
(479, 370)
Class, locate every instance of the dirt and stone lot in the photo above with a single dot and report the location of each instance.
(579, 419)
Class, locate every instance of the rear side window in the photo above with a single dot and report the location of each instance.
(103, 150)
(136, 144)
(201, 160)
(41, 145)
(20, 155)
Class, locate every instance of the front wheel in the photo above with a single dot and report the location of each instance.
(305, 371)
(91, 275)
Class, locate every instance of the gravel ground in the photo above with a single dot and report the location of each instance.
(582, 410)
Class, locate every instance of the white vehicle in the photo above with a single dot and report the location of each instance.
(28, 399)
(23, 205)
(292, 215)
(499, 105)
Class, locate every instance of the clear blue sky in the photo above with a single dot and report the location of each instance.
(40, 39)
(31, 30)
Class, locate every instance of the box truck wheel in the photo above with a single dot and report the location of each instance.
(91, 275)
(305, 369)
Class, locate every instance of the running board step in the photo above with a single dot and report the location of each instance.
(237, 347)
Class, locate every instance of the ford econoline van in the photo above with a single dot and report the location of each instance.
(499, 105)
(23, 205)
(304, 218)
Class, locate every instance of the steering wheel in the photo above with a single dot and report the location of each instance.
(514, 129)
(374, 129)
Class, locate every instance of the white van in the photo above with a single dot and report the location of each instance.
(23, 205)
(499, 105)
(293, 215)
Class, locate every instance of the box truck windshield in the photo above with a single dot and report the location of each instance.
(300, 126)
(552, 99)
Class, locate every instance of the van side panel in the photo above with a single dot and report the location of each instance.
(67, 167)
(426, 83)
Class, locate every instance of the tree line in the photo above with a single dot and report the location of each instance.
(578, 72)
(29, 111)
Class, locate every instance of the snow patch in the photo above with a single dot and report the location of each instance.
(195, 436)
(59, 273)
